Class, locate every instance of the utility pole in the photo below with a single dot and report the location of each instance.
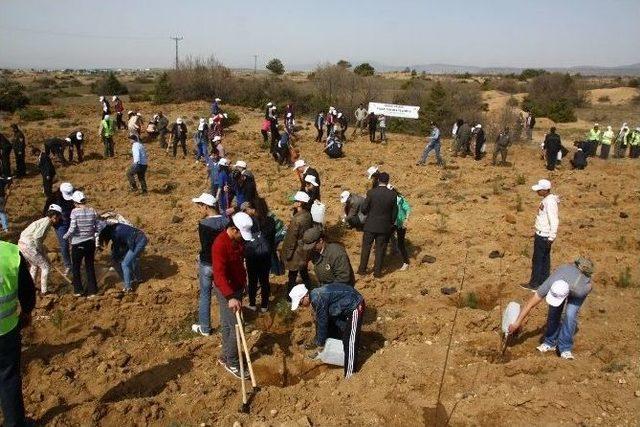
(255, 64)
(176, 39)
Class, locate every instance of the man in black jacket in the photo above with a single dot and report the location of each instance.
(5, 153)
(19, 150)
(179, 136)
(303, 170)
(381, 209)
(56, 146)
(579, 160)
(552, 146)
(75, 140)
(47, 170)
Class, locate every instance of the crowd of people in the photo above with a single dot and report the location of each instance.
(242, 242)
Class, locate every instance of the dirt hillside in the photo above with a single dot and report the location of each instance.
(132, 360)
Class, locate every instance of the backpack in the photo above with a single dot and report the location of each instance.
(258, 247)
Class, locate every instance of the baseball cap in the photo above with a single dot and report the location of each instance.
(54, 208)
(558, 292)
(344, 196)
(218, 100)
(113, 98)
(79, 136)
(68, 139)
(310, 237)
(205, 199)
(78, 197)
(297, 293)
(301, 196)
(217, 138)
(311, 180)
(269, 104)
(372, 170)
(223, 162)
(106, 117)
(179, 120)
(299, 163)
(243, 223)
(543, 184)
(240, 164)
(66, 188)
(585, 265)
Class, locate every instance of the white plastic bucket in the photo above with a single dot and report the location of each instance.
(333, 352)
(318, 211)
(510, 316)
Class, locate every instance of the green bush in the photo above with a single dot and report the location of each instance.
(46, 83)
(530, 73)
(162, 90)
(634, 82)
(275, 66)
(364, 69)
(31, 114)
(109, 85)
(232, 119)
(41, 98)
(12, 95)
(554, 96)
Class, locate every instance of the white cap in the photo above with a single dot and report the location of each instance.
(301, 196)
(210, 120)
(202, 121)
(55, 208)
(139, 114)
(478, 126)
(289, 114)
(274, 107)
(297, 293)
(299, 163)
(101, 98)
(130, 112)
(205, 199)
(269, 104)
(223, 162)
(344, 196)
(106, 117)
(179, 120)
(339, 115)
(114, 97)
(218, 100)
(79, 136)
(311, 180)
(371, 171)
(543, 184)
(66, 188)
(243, 223)
(558, 292)
(68, 139)
(240, 164)
(217, 138)
(596, 124)
(78, 196)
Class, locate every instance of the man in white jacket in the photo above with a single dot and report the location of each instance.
(546, 231)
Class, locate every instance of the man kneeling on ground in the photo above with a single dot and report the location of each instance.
(330, 260)
(336, 306)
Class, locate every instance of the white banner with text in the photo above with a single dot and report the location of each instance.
(394, 110)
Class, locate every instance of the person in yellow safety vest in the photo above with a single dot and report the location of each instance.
(634, 142)
(106, 131)
(16, 289)
(607, 139)
(593, 139)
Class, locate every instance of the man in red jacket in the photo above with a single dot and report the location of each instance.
(230, 279)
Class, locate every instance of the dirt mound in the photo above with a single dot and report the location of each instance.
(132, 359)
(612, 96)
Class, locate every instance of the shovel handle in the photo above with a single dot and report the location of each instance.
(244, 389)
(246, 349)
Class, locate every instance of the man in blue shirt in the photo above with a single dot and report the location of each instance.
(139, 166)
(434, 144)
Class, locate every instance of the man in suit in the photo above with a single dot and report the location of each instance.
(381, 209)
(353, 216)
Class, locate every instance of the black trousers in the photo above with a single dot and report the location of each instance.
(183, 143)
(402, 246)
(540, 262)
(604, 151)
(6, 164)
(293, 275)
(351, 340)
(265, 136)
(21, 166)
(84, 251)
(11, 400)
(258, 272)
(319, 135)
(275, 134)
(119, 122)
(372, 133)
(139, 171)
(47, 186)
(381, 240)
(552, 160)
(79, 151)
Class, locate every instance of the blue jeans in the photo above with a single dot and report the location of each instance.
(130, 264)
(65, 250)
(205, 276)
(202, 149)
(560, 331)
(4, 220)
(431, 146)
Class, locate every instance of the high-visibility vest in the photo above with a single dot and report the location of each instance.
(594, 135)
(635, 138)
(607, 138)
(107, 128)
(9, 267)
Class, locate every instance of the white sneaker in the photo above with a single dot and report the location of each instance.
(567, 355)
(404, 267)
(544, 347)
(252, 307)
(198, 330)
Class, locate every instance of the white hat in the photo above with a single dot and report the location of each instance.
(55, 208)
(78, 196)
(66, 188)
(243, 223)
(274, 107)
(608, 128)
(344, 196)
(339, 115)
(558, 292)
(114, 97)
(202, 121)
(311, 180)
(371, 171)
(139, 114)
(106, 117)
(301, 196)
(218, 100)
(179, 120)
(289, 114)
(240, 164)
(79, 136)
(299, 163)
(478, 126)
(217, 138)
(205, 199)
(101, 98)
(596, 125)
(269, 104)
(68, 139)
(543, 184)
(223, 162)
(201, 126)
(130, 112)
(297, 293)
(210, 120)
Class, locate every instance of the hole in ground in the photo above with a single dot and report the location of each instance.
(287, 372)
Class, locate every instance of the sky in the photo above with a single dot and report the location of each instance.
(135, 33)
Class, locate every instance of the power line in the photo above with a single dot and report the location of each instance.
(81, 35)
(176, 39)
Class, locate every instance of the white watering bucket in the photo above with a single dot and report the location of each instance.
(333, 352)
(510, 316)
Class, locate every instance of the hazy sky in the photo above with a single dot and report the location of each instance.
(133, 33)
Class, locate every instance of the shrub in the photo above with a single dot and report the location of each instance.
(45, 83)
(58, 114)
(41, 98)
(508, 85)
(344, 64)
(275, 66)
(140, 97)
(604, 99)
(530, 73)
(32, 114)
(512, 102)
(364, 69)
(12, 95)
(634, 82)
(162, 90)
(232, 118)
(554, 96)
(143, 79)
(624, 278)
(109, 85)
(634, 101)
(471, 300)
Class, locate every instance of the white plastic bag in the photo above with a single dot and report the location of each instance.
(318, 211)
(559, 155)
(510, 316)
(333, 352)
